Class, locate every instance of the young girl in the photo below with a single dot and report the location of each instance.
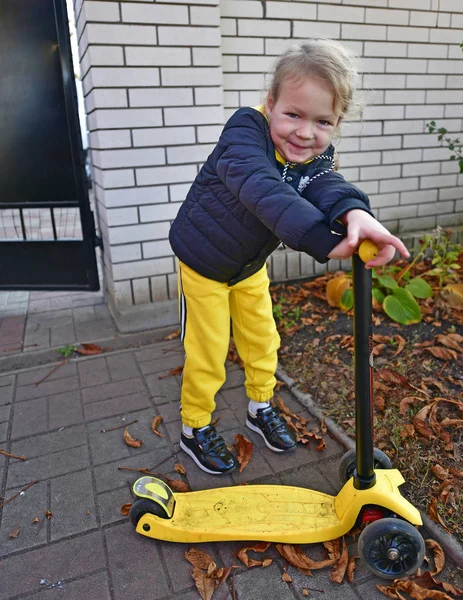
(269, 179)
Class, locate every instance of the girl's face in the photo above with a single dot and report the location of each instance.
(303, 118)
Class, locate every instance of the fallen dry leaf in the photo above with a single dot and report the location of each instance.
(286, 577)
(177, 371)
(339, 569)
(90, 349)
(390, 592)
(408, 401)
(125, 509)
(442, 353)
(295, 556)
(427, 580)
(244, 450)
(173, 336)
(242, 554)
(177, 485)
(204, 584)
(199, 559)
(48, 514)
(351, 568)
(155, 424)
(130, 441)
(419, 593)
(14, 534)
(438, 554)
(434, 513)
(178, 468)
(36, 520)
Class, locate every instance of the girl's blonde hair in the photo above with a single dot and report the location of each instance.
(322, 58)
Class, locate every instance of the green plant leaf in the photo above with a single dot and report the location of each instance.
(402, 307)
(388, 282)
(378, 295)
(419, 288)
(347, 300)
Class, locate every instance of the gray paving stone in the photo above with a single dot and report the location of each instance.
(160, 350)
(22, 573)
(162, 365)
(50, 442)
(163, 390)
(47, 388)
(62, 335)
(235, 378)
(320, 580)
(83, 314)
(109, 446)
(116, 406)
(309, 477)
(170, 412)
(48, 465)
(249, 585)
(122, 366)
(109, 477)
(5, 411)
(6, 394)
(110, 504)
(20, 513)
(65, 410)
(135, 565)
(93, 372)
(3, 432)
(92, 586)
(112, 390)
(6, 381)
(31, 377)
(29, 417)
(72, 505)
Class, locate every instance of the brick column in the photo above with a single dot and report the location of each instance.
(152, 80)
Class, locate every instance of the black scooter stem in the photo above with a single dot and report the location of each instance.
(364, 475)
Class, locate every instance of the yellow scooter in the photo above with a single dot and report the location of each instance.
(389, 545)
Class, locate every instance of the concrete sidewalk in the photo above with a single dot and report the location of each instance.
(87, 549)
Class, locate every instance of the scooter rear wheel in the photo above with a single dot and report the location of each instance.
(348, 463)
(391, 548)
(142, 506)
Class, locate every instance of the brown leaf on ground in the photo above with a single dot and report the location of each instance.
(419, 422)
(221, 576)
(177, 485)
(242, 554)
(286, 577)
(179, 468)
(173, 336)
(434, 513)
(125, 509)
(390, 591)
(131, 441)
(48, 514)
(339, 569)
(244, 450)
(351, 568)
(406, 430)
(14, 534)
(449, 341)
(177, 371)
(401, 343)
(36, 520)
(333, 547)
(408, 401)
(417, 592)
(427, 580)
(442, 353)
(90, 349)
(155, 424)
(438, 554)
(199, 559)
(380, 404)
(204, 584)
(440, 472)
(392, 376)
(295, 556)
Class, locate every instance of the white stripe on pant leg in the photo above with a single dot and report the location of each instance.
(182, 311)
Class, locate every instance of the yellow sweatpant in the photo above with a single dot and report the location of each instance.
(206, 307)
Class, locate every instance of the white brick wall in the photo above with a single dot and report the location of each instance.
(160, 78)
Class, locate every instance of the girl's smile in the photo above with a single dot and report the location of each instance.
(303, 119)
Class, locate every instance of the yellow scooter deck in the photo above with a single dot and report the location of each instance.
(269, 512)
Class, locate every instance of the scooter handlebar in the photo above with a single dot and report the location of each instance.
(367, 250)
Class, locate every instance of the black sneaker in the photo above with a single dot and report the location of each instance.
(273, 428)
(209, 451)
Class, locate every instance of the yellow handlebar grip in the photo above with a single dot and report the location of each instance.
(367, 250)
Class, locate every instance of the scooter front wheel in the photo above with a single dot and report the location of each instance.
(391, 548)
(142, 506)
(348, 463)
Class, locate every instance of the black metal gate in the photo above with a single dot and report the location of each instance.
(47, 231)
